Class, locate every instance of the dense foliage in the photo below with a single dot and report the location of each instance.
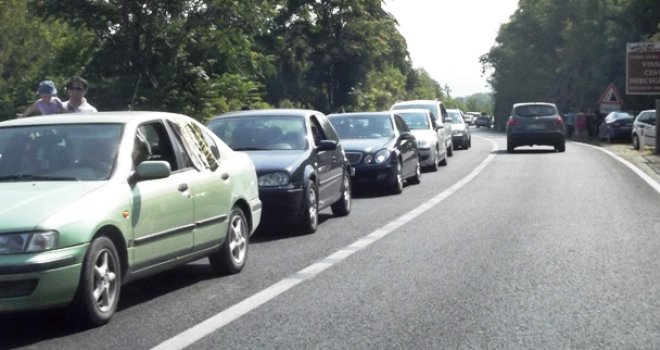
(568, 52)
(205, 57)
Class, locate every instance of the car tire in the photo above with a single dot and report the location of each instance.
(510, 147)
(310, 221)
(469, 142)
(450, 150)
(609, 137)
(635, 142)
(231, 257)
(100, 275)
(417, 178)
(443, 162)
(434, 165)
(561, 147)
(397, 186)
(343, 206)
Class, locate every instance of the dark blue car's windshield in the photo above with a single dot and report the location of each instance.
(261, 133)
(59, 152)
(362, 126)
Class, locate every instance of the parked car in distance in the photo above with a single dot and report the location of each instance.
(432, 149)
(439, 115)
(460, 130)
(100, 200)
(535, 123)
(616, 126)
(471, 117)
(380, 147)
(644, 132)
(483, 120)
(300, 163)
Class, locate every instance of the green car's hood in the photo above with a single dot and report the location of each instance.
(26, 204)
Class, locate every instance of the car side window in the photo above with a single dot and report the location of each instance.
(202, 151)
(151, 142)
(317, 131)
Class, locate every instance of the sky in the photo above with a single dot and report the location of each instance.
(446, 37)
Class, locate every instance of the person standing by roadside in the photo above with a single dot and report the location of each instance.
(48, 102)
(77, 103)
(570, 123)
(581, 125)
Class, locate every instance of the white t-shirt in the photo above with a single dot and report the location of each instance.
(83, 108)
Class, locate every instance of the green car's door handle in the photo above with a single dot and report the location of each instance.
(183, 187)
(224, 176)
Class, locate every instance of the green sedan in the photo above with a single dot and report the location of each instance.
(89, 202)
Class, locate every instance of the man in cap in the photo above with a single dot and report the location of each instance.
(48, 103)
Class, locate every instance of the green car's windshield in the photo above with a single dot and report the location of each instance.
(66, 152)
(261, 133)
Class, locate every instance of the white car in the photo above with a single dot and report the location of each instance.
(432, 149)
(644, 132)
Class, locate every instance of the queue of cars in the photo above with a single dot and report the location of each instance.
(99, 200)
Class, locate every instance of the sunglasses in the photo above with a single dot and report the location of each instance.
(77, 88)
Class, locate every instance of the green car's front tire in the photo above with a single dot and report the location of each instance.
(97, 296)
(231, 257)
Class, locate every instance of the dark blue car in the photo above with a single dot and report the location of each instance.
(616, 126)
(300, 163)
(380, 147)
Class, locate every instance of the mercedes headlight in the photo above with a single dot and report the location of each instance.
(382, 156)
(27, 242)
(274, 179)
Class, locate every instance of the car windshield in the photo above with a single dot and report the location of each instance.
(362, 126)
(67, 152)
(415, 120)
(456, 118)
(617, 116)
(261, 132)
(535, 111)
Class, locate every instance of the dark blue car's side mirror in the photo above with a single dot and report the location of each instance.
(327, 145)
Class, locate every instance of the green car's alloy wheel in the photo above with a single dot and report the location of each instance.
(343, 206)
(100, 283)
(310, 221)
(417, 178)
(231, 257)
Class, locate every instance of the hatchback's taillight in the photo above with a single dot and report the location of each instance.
(512, 122)
(559, 121)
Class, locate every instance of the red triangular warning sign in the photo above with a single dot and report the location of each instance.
(611, 96)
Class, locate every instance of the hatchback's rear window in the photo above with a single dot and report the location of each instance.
(535, 111)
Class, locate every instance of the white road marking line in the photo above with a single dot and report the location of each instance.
(221, 319)
(649, 180)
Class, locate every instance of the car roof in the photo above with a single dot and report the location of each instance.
(454, 110)
(413, 110)
(534, 103)
(124, 117)
(366, 114)
(270, 112)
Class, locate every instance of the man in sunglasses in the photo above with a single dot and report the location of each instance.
(77, 103)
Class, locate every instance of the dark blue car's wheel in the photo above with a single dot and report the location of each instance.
(310, 219)
(343, 206)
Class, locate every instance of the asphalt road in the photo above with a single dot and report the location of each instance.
(532, 250)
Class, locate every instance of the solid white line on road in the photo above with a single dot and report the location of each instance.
(649, 180)
(221, 319)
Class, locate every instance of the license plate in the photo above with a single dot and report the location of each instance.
(536, 126)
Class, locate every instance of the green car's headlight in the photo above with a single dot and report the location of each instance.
(274, 179)
(27, 242)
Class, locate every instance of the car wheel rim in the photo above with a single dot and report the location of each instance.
(418, 172)
(237, 240)
(312, 207)
(399, 176)
(105, 280)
